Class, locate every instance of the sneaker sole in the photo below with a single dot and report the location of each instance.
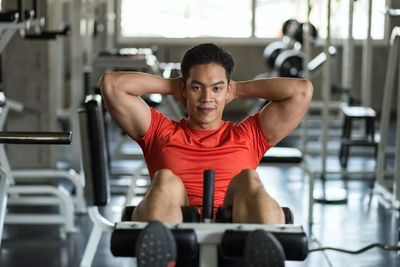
(262, 249)
(155, 246)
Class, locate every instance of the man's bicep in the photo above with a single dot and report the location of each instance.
(131, 114)
(278, 119)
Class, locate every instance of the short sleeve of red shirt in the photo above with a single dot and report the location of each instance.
(252, 128)
(158, 122)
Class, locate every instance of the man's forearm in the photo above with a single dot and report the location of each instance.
(137, 84)
(274, 89)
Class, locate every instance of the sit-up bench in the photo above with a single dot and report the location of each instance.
(198, 244)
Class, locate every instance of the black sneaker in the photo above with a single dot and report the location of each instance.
(155, 246)
(262, 249)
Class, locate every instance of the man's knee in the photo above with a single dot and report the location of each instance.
(247, 178)
(166, 181)
(163, 199)
(165, 177)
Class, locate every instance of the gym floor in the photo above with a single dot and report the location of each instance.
(358, 223)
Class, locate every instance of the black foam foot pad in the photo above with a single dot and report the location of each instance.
(156, 246)
(263, 249)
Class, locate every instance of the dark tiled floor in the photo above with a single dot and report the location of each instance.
(359, 222)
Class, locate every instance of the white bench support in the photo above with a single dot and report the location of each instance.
(100, 225)
(67, 219)
(70, 175)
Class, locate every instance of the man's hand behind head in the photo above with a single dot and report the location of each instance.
(178, 90)
(232, 94)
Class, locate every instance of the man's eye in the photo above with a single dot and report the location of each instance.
(196, 88)
(217, 88)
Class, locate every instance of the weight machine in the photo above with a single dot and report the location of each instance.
(28, 195)
(5, 189)
(28, 23)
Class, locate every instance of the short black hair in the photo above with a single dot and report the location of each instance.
(204, 54)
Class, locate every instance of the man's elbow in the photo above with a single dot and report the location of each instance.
(307, 90)
(106, 83)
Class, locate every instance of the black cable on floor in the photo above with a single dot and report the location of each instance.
(382, 246)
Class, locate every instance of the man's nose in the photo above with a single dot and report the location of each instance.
(206, 95)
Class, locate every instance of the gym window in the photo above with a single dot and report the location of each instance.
(154, 20)
(186, 19)
(340, 18)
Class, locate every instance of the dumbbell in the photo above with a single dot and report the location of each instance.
(272, 50)
(286, 25)
(289, 63)
(286, 62)
(295, 30)
(292, 31)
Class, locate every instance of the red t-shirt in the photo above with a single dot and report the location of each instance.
(187, 152)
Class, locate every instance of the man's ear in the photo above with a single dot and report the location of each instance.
(183, 89)
(229, 89)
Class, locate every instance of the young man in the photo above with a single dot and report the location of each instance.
(176, 153)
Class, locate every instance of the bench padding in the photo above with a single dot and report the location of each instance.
(295, 246)
(282, 155)
(94, 154)
(123, 245)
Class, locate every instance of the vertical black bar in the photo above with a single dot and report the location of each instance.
(1, 72)
(35, 8)
(87, 76)
(208, 194)
(20, 11)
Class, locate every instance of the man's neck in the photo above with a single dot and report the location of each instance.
(205, 126)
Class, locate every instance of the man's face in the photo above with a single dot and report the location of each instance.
(206, 91)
